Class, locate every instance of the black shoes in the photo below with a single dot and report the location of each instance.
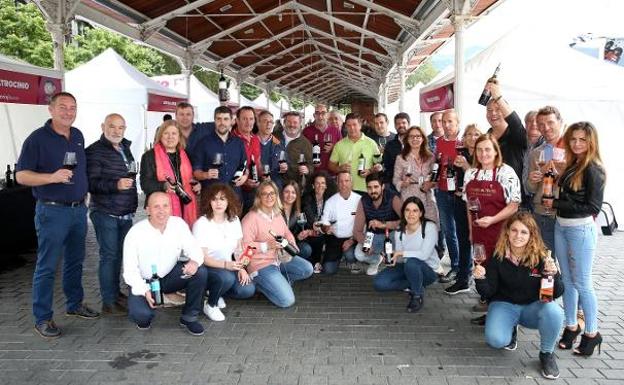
(193, 327)
(415, 303)
(449, 277)
(588, 344)
(549, 366)
(568, 337)
(514, 340)
(456, 288)
(116, 309)
(83, 311)
(479, 321)
(48, 329)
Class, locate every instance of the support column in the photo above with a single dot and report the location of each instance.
(461, 14)
(187, 70)
(57, 30)
(402, 68)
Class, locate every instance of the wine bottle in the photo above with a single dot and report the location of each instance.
(287, 246)
(239, 172)
(253, 170)
(435, 170)
(388, 249)
(179, 191)
(302, 161)
(368, 240)
(223, 93)
(486, 94)
(154, 284)
(450, 177)
(8, 177)
(361, 164)
(547, 283)
(316, 151)
(14, 175)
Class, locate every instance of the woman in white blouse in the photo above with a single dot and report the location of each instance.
(415, 258)
(219, 234)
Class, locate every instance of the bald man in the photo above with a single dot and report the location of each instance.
(112, 184)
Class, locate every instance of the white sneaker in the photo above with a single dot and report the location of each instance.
(373, 268)
(214, 313)
(221, 303)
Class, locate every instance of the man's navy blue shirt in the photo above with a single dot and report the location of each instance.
(43, 152)
(234, 156)
(199, 132)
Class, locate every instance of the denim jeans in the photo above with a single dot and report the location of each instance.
(376, 249)
(334, 253)
(224, 283)
(502, 317)
(454, 223)
(60, 231)
(316, 248)
(414, 274)
(546, 225)
(275, 282)
(305, 250)
(139, 311)
(110, 233)
(575, 247)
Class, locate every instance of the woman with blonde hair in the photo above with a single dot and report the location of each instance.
(581, 190)
(511, 281)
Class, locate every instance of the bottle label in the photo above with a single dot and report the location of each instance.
(547, 187)
(546, 288)
(388, 248)
(450, 183)
(368, 241)
(155, 285)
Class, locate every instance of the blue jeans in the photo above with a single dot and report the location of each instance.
(224, 283)
(376, 249)
(546, 225)
(305, 250)
(141, 313)
(414, 274)
(454, 224)
(275, 282)
(110, 233)
(334, 253)
(502, 317)
(575, 247)
(60, 231)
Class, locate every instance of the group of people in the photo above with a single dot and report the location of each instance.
(237, 208)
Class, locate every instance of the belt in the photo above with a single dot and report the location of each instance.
(127, 217)
(61, 203)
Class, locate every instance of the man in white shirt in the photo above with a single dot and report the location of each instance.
(159, 241)
(339, 212)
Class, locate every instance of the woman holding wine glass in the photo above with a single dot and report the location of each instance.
(581, 190)
(219, 234)
(512, 282)
(265, 230)
(295, 218)
(465, 153)
(318, 192)
(412, 171)
(167, 167)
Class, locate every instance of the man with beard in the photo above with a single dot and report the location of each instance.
(323, 133)
(377, 212)
(298, 150)
(232, 151)
(395, 146)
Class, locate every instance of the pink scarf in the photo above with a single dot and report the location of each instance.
(163, 169)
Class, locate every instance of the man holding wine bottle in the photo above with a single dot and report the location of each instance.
(245, 119)
(151, 254)
(377, 212)
(53, 162)
(320, 133)
(298, 150)
(111, 170)
(545, 163)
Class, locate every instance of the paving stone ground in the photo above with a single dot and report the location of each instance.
(339, 332)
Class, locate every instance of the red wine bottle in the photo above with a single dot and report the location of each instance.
(486, 94)
(287, 246)
(155, 290)
(316, 151)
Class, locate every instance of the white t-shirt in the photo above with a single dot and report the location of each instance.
(220, 239)
(343, 212)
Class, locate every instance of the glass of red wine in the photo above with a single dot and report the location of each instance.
(266, 171)
(184, 259)
(478, 253)
(474, 206)
(217, 161)
(133, 169)
(70, 162)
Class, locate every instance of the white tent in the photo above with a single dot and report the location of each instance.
(201, 97)
(411, 106)
(108, 83)
(261, 101)
(538, 68)
(23, 103)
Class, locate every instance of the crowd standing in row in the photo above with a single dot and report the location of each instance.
(236, 208)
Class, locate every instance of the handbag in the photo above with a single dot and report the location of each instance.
(606, 219)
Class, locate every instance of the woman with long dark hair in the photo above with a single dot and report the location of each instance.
(291, 210)
(415, 259)
(581, 189)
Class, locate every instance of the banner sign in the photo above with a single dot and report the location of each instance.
(17, 87)
(438, 99)
(161, 103)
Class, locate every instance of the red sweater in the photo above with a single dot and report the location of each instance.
(446, 153)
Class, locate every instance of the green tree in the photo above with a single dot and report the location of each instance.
(423, 74)
(249, 91)
(23, 34)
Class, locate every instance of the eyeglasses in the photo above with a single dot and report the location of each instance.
(320, 112)
(414, 137)
(269, 194)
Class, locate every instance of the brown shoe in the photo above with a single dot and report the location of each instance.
(116, 309)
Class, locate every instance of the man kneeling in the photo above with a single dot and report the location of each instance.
(158, 242)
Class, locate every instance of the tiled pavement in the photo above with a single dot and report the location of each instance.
(339, 332)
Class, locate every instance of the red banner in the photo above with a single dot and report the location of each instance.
(161, 103)
(438, 99)
(17, 87)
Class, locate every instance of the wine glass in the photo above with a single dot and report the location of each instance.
(541, 159)
(301, 220)
(217, 161)
(70, 162)
(408, 172)
(474, 206)
(133, 169)
(184, 259)
(266, 171)
(382, 141)
(478, 253)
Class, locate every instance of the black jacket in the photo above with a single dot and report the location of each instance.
(105, 166)
(585, 202)
(519, 285)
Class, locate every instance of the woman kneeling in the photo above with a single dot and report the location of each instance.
(512, 281)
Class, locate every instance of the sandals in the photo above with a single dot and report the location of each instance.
(568, 337)
(588, 344)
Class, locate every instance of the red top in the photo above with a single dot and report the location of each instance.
(446, 153)
(252, 147)
(311, 131)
